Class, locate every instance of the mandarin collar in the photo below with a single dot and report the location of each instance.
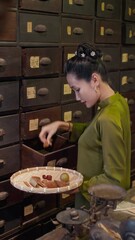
(108, 101)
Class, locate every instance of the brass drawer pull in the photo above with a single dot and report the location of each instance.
(3, 196)
(131, 57)
(77, 114)
(1, 98)
(45, 61)
(2, 223)
(40, 205)
(2, 132)
(3, 62)
(109, 32)
(107, 58)
(133, 11)
(61, 162)
(130, 80)
(79, 2)
(40, 28)
(42, 92)
(131, 101)
(44, 122)
(2, 163)
(78, 31)
(109, 7)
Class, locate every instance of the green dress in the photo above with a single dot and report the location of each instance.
(104, 147)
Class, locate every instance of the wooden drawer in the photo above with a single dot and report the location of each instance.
(127, 80)
(68, 52)
(130, 97)
(84, 7)
(66, 200)
(76, 112)
(13, 3)
(10, 219)
(10, 62)
(41, 61)
(9, 195)
(67, 94)
(127, 58)
(129, 10)
(9, 160)
(108, 31)
(110, 57)
(37, 205)
(39, 28)
(76, 30)
(132, 116)
(109, 8)
(9, 129)
(33, 232)
(9, 100)
(8, 27)
(31, 122)
(33, 154)
(128, 33)
(44, 6)
(40, 92)
(114, 80)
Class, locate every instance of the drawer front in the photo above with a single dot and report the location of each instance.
(10, 219)
(65, 157)
(109, 8)
(31, 122)
(130, 97)
(132, 116)
(41, 61)
(10, 62)
(9, 195)
(8, 27)
(32, 232)
(9, 160)
(110, 57)
(76, 30)
(65, 200)
(127, 80)
(67, 94)
(9, 100)
(39, 28)
(128, 33)
(108, 32)
(40, 92)
(114, 80)
(127, 58)
(45, 6)
(83, 7)
(9, 129)
(129, 11)
(76, 112)
(68, 52)
(37, 205)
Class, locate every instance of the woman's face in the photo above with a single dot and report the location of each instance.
(84, 91)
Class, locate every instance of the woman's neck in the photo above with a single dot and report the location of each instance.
(105, 91)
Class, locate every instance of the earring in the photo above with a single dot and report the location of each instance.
(96, 90)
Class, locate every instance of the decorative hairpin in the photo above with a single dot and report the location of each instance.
(92, 53)
(75, 53)
(83, 55)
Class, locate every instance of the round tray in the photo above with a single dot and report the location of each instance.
(19, 178)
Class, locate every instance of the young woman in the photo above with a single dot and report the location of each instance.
(104, 145)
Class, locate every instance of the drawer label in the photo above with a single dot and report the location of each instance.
(34, 62)
(129, 11)
(125, 57)
(31, 92)
(67, 89)
(29, 27)
(68, 116)
(69, 30)
(70, 55)
(70, 2)
(33, 124)
(103, 6)
(124, 80)
(65, 195)
(102, 31)
(130, 34)
(28, 210)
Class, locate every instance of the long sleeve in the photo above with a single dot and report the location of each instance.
(77, 130)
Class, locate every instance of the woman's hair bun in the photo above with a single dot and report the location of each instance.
(88, 51)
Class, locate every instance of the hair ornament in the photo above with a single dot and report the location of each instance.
(93, 54)
(75, 53)
(83, 55)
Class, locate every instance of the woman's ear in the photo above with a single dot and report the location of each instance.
(95, 80)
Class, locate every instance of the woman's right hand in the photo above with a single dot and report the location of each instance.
(47, 132)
